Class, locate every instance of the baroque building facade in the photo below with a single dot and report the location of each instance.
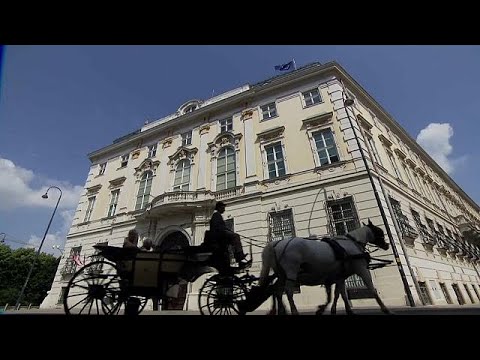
(283, 155)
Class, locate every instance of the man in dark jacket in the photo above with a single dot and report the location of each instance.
(221, 232)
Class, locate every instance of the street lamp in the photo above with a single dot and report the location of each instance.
(45, 196)
(348, 102)
(57, 247)
(3, 238)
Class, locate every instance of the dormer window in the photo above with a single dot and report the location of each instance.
(190, 109)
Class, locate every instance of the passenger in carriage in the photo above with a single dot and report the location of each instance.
(219, 230)
(131, 241)
(147, 245)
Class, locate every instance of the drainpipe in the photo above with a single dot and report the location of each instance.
(347, 102)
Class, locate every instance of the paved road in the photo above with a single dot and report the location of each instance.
(422, 310)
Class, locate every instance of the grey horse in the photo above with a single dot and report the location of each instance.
(299, 261)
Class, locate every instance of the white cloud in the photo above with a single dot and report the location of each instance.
(435, 139)
(16, 190)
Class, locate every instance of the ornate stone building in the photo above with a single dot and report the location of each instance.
(283, 155)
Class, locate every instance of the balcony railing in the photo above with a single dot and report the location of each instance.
(229, 193)
(409, 234)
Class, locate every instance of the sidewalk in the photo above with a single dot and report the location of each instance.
(367, 310)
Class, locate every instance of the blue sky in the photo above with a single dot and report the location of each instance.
(58, 103)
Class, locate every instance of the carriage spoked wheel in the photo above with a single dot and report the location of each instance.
(220, 295)
(94, 290)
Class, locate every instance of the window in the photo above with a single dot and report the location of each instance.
(72, 261)
(101, 170)
(393, 162)
(275, 161)
(124, 160)
(182, 176)
(445, 293)
(187, 138)
(281, 225)
(226, 178)
(269, 111)
(373, 147)
(472, 300)
(476, 291)
(190, 109)
(152, 150)
(311, 97)
(409, 178)
(407, 230)
(326, 149)
(91, 204)
(113, 202)
(226, 125)
(424, 295)
(144, 190)
(343, 216)
(458, 294)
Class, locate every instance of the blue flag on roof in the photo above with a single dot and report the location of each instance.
(285, 67)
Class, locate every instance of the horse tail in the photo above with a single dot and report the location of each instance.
(268, 258)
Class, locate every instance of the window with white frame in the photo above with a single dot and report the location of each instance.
(275, 160)
(373, 148)
(409, 178)
(393, 162)
(312, 97)
(91, 204)
(269, 111)
(343, 216)
(326, 149)
(113, 202)
(182, 176)
(187, 138)
(281, 225)
(102, 168)
(144, 190)
(226, 172)
(226, 124)
(152, 150)
(124, 160)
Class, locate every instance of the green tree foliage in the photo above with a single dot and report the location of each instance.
(14, 267)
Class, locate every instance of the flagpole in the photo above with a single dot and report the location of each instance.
(294, 64)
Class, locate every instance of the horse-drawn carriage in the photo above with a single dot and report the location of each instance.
(127, 278)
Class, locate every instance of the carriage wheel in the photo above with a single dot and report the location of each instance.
(94, 289)
(220, 296)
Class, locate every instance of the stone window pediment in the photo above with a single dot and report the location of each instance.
(385, 140)
(181, 154)
(92, 190)
(146, 165)
(271, 134)
(364, 123)
(317, 120)
(225, 139)
(411, 163)
(117, 182)
(400, 153)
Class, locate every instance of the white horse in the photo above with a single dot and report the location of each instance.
(299, 261)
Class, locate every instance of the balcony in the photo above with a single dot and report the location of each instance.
(469, 230)
(442, 245)
(409, 234)
(185, 201)
(428, 240)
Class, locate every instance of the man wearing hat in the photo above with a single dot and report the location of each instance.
(220, 230)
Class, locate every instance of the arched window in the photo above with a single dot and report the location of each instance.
(226, 178)
(144, 190)
(182, 176)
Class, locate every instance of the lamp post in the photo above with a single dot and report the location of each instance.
(45, 196)
(348, 102)
(57, 247)
(3, 238)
